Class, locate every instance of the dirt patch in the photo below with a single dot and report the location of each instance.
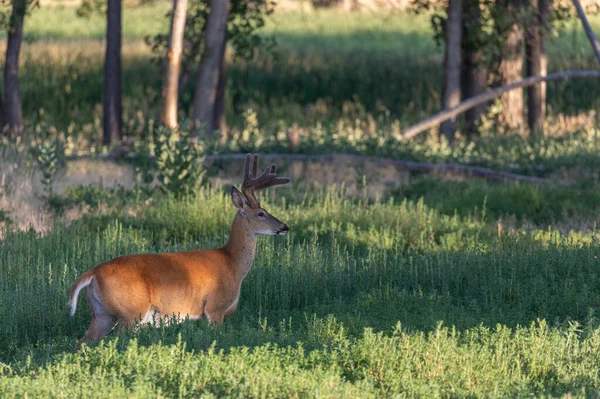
(310, 174)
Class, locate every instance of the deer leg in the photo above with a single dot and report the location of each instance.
(214, 312)
(101, 325)
(102, 321)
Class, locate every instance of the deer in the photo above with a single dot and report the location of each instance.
(147, 288)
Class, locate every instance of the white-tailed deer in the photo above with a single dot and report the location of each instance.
(194, 284)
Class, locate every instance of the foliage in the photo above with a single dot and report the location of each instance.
(533, 360)
(246, 18)
(8, 12)
(179, 161)
(487, 23)
(47, 157)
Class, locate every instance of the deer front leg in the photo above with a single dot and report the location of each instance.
(214, 311)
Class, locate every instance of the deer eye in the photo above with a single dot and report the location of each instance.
(261, 214)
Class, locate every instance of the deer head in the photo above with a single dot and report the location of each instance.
(258, 220)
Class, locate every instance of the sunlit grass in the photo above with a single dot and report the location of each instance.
(321, 306)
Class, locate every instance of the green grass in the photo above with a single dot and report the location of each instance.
(539, 204)
(321, 307)
(483, 362)
(63, 23)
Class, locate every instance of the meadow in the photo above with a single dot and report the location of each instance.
(444, 286)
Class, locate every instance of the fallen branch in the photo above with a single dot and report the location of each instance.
(472, 102)
(465, 170)
(588, 29)
(336, 159)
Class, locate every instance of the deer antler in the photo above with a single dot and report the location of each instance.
(252, 182)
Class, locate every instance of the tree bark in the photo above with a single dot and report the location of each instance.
(474, 77)
(220, 123)
(440, 117)
(511, 66)
(13, 114)
(537, 64)
(170, 89)
(452, 64)
(113, 113)
(208, 72)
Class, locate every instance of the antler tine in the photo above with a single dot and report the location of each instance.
(247, 177)
(247, 181)
(278, 181)
(253, 183)
(255, 166)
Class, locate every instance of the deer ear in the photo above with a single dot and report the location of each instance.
(238, 199)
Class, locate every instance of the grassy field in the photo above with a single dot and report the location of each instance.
(440, 287)
(389, 298)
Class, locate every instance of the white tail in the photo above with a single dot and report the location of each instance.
(83, 281)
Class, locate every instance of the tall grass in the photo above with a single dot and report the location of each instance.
(319, 307)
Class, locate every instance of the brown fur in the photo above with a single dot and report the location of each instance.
(194, 284)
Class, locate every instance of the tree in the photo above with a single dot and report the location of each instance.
(510, 69)
(474, 70)
(11, 114)
(219, 121)
(244, 19)
(210, 63)
(170, 89)
(113, 114)
(452, 63)
(537, 63)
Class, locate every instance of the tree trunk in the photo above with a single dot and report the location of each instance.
(511, 66)
(208, 72)
(170, 89)
(12, 99)
(474, 76)
(452, 61)
(113, 117)
(220, 123)
(537, 64)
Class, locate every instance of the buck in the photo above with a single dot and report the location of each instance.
(175, 286)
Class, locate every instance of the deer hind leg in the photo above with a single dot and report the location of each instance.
(102, 321)
(100, 327)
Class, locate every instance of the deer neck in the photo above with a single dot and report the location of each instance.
(241, 246)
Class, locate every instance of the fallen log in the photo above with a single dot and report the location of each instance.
(472, 102)
(410, 166)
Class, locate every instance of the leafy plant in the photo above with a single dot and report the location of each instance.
(179, 161)
(47, 157)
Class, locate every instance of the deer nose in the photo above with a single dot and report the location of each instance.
(284, 227)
